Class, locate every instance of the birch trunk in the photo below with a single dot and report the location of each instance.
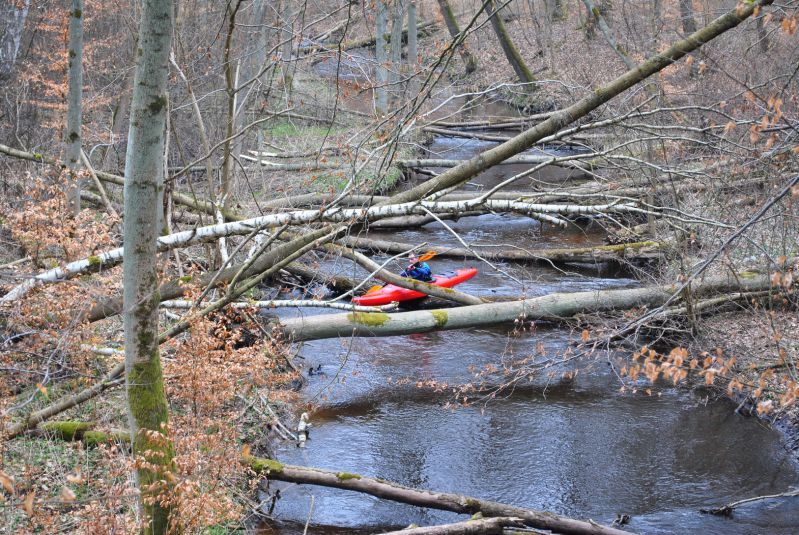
(72, 137)
(147, 403)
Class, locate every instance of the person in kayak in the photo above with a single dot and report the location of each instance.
(418, 270)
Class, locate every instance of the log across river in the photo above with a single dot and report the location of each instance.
(570, 444)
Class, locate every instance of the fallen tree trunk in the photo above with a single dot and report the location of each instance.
(571, 162)
(552, 307)
(477, 526)
(213, 232)
(445, 501)
(644, 250)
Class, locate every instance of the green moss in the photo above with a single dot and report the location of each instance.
(343, 476)
(77, 13)
(748, 274)
(94, 260)
(95, 438)
(185, 279)
(472, 505)
(371, 319)
(441, 317)
(67, 430)
(261, 465)
(157, 105)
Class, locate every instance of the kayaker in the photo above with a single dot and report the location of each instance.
(417, 270)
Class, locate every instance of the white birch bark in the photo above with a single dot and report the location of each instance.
(544, 212)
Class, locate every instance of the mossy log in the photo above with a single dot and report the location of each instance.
(73, 431)
(445, 501)
(626, 252)
(552, 307)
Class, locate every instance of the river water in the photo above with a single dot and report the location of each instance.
(574, 445)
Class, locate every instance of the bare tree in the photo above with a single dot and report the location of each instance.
(515, 59)
(72, 138)
(469, 60)
(12, 22)
(147, 404)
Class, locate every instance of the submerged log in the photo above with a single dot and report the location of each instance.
(445, 501)
(552, 307)
(642, 250)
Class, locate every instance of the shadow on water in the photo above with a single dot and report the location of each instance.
(577, 447)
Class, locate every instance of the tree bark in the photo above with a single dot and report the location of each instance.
(626, 252)
(147, 404)
(75, 92)
(469, 61)
(445, 501)
(397, 22)
(12, 24)
(477, 526)
(512, 54)
(381, 57)
(552, 307)
(559, 120)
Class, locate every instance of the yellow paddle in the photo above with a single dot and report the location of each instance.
(424, 258)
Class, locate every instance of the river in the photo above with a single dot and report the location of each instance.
(571, 444)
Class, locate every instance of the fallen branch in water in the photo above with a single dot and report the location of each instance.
(278, 303)
(476, 526)
(726, 510)
(445, 501)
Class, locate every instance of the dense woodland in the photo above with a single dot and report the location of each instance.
(177, 174)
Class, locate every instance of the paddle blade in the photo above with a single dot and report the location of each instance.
(373, 289)
(427, 256)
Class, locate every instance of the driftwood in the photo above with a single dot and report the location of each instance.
(643, 250)
(425, 498)
(552, 307)
(477, 526)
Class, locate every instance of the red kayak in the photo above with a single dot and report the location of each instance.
(390, 293)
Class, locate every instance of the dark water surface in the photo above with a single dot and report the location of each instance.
(577, 447)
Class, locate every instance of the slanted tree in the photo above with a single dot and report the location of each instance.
(515, 59)
(469, 61)
(144, 170)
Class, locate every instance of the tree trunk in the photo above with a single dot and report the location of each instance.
(413, 33)
(552, 307)
(477, 526)
(380, 57)
(525, 140)
(515, 59)
(72, 137)
(605, 29)
(445, 501)
(147, 403)
(625, 253)
(397, 21)
(12, 24)
(469, 61)
(287, 46)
